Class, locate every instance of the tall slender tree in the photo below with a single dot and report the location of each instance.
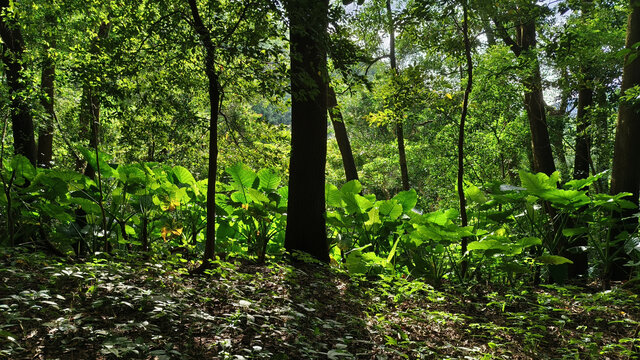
(12, 57)
(214, 105)
(47, 84)
(625, 176)
(306, 226)
(402, 154)
(524, 47)
(342, 138)
(463, 118)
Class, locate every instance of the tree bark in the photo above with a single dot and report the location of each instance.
(523, 47)
(342, 138)
(463, 117)
(582, 158)
(625, 176)
(402, 155)
(47, 85)
(214, 105)
(21, 117)
(45, 133)
(534, 104)
(306, 227)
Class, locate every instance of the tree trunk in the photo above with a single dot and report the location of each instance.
(463, 118)
(306, 227)
(350, 170)
(580, 260)
(47, 81)
(404, 171)
(21, 117)
(214, 104)
(45, 133)
(625, 176)
(534, 104)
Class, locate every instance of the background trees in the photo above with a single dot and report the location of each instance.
(164, 96)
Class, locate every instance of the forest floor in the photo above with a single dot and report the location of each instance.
(132, 309)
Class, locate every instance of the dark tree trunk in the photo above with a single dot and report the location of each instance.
(214, 104)
(45, 133)
(306, 227)
(580, 260)
(625, 176)
(350, 170)
(463, 118)
(47, 83)
(535, 106)
(402, 155)
(21, 117)
(523, 47)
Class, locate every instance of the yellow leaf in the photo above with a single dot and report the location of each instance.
(176, 231)
(449, 96)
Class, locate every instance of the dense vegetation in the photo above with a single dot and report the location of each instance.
(310, 179)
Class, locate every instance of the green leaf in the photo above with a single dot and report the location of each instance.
(257, 196)
(23, 167)
(574, 231)
(540, 182)
(183, 175)
(353, 187)
(87, 205)
(90, 155)
(408, 200)
(553, 260)
(529, 241)
(374, 217)
(242, 175)
(356, 204)
(389, 208)
(269, 179)
(333, 195)
(474, 194)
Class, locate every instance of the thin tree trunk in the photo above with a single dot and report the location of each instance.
(306, 226)
(21, 117)
(45, 133)
(342, 138)
(625, 176)
(463, 118)
(402, 155)
(214, 105)
(582, 158)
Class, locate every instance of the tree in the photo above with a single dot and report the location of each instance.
(342, 138)
(625, 176)
(21, 117)
(47, 81)
(306, 227)
(524, 47)
(214, 103)
(402, 154)
(463, 118)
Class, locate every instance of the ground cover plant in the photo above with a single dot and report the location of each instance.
(130, 308)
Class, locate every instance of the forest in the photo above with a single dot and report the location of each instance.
(320, 179)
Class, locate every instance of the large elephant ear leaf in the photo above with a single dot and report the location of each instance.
(408, 200)
(90, 155)
(242, 176)
(269, 179)
(183, 175)
(352, 186)
(23, 167)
